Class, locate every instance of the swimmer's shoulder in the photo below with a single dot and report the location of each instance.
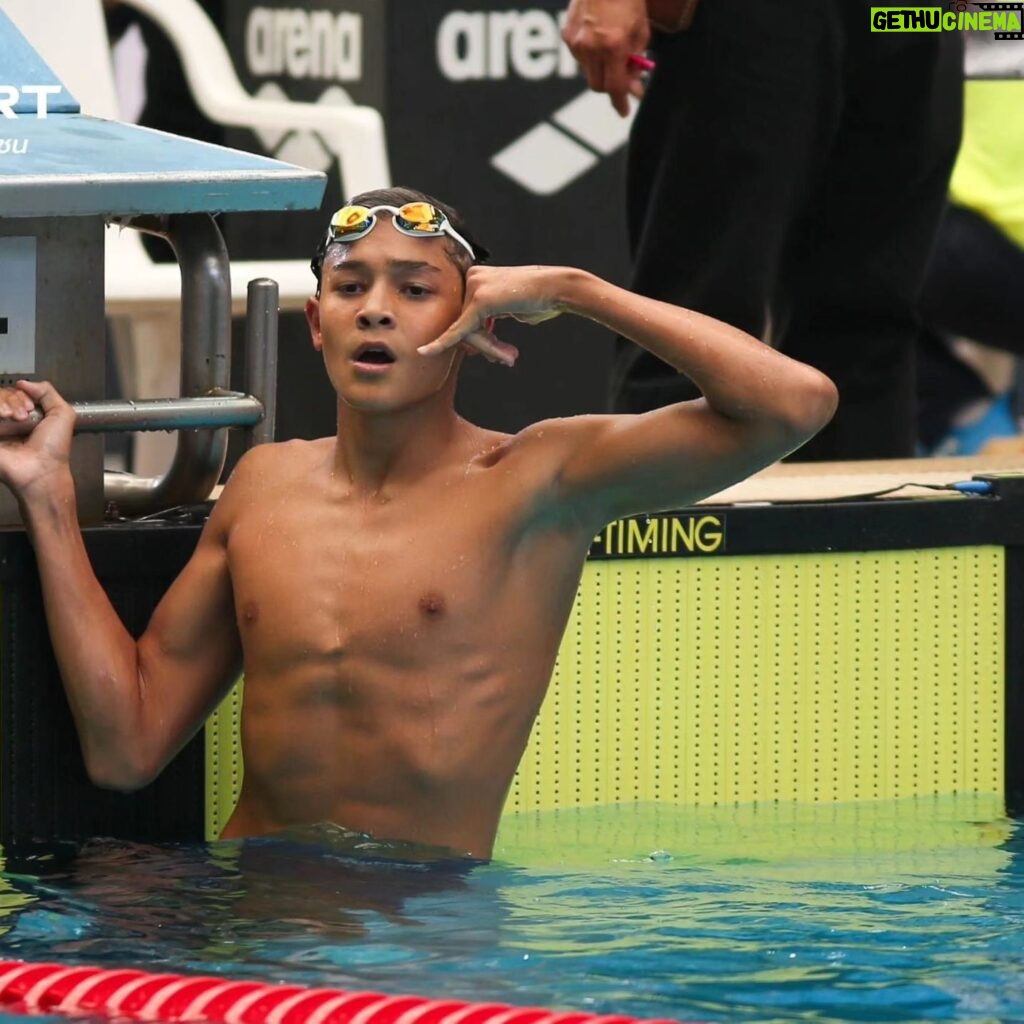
(532, 462)
(280, 462)
(540, 459)
(546, 443)
(269, 468)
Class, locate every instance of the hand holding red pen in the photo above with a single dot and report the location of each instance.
(603, 35)
(638, 60)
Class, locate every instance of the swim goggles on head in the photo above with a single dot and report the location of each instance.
(417, 220)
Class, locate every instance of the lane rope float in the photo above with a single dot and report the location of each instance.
(131, 994)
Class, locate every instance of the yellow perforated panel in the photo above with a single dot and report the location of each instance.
(738, 679)
(804, 677)
(223, 761)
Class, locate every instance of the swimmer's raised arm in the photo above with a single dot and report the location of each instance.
(135, 704)
(758, 405)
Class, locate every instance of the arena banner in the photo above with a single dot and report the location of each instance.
(484, 107)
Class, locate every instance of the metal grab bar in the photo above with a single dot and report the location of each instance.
(226, 409)
(203, 417)
(201, 453)
(217, 410)
(205, 365)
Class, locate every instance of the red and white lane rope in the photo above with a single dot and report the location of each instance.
(139, 995)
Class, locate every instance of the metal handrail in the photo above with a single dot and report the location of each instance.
(261, 354)
(202, 416)
(205, 365)
(201, 453)
(216, 411)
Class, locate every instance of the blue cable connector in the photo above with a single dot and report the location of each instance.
(973, 486)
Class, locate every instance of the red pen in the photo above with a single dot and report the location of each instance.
(638, 60)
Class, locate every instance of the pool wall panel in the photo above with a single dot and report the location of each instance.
(44, 791)
(825, 677)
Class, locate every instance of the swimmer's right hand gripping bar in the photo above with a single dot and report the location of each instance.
(214, 409)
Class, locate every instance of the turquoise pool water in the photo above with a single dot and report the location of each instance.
(908, 911)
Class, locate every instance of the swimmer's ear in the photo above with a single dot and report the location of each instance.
(313, 319)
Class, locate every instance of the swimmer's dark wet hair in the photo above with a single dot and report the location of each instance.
(399, 196)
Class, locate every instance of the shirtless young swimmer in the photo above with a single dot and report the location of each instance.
(396, 594)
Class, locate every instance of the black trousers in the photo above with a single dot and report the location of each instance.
(787, 171)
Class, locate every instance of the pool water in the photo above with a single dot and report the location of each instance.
(902, 911)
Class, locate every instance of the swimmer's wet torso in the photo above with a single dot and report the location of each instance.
(397, 647)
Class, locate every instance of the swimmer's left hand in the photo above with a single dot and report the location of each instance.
(526, 294)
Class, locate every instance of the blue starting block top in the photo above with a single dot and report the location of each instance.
(68, 164)
(72, 165)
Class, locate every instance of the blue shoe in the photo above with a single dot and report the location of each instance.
(989, 420)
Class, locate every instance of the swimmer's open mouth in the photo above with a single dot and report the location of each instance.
(374, 353)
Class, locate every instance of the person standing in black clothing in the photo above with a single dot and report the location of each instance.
(787, 172)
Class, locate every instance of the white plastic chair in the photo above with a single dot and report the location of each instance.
(144, 296)
(354, 134)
